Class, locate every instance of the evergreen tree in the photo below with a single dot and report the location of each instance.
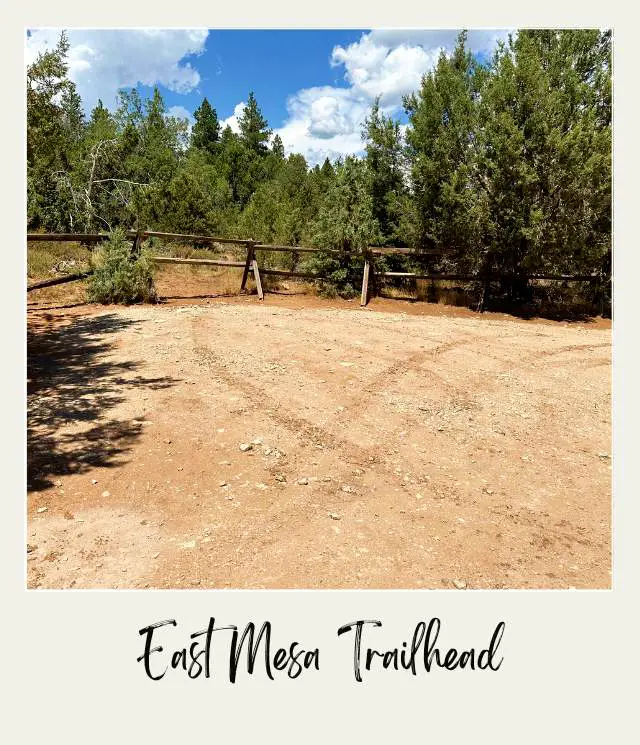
(345, 222)
(254, 130)
(277, 148)
(442, 148)
(506, 166)
(54, 129)
(385, 158)
(546, 153)
(205, 133)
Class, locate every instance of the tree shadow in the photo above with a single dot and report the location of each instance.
(71, 387)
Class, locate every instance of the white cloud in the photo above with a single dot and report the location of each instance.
(391, 63)
(101, 61)
(232, 121)
(374, 69)
(327, 121)
(179, 112)
(478, 40)
(324, 122)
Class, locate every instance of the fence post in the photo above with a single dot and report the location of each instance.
(256, 277)
(247, 265)
(137, 243)
(364, 295)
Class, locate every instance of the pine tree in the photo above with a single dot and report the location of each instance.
(546, 153)
(385, 158)
(441, 137)
(205, 133)
(277, 147)
(346, 222)
(254, 130)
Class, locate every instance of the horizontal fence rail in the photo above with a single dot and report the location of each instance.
(68, 237)
(250, 263)
(210, 262)
(295, 249)
(58, 281)
(192, 238)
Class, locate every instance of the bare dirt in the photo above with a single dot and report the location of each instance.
(429, 448)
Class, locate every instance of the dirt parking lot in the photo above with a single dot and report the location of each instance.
(254, 445)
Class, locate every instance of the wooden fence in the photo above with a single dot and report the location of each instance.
(250, 263)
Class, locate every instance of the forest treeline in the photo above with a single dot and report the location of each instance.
(504, 164)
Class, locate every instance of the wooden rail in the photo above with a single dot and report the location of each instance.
(492, 277)
(288, 273)
(406, 251)
(210, 262)
(295, 249)
(58, 281)
(70, 237)
(194, 238)
(250, 264)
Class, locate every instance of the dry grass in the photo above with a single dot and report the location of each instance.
(50, 259)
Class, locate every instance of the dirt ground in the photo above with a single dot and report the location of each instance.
(427, 448)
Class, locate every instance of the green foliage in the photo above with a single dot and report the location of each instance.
(254, 130)
(54, 130)
(546, 152)
(205, 134)
(387, 165)
(120, 276)
(504, 166)
(441, 139)
(277, 147)
(345, 223)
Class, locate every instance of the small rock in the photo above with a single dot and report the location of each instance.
(333, 515)
(261, 486)
(106, 493)
(245, 447)
(460, 584)
(168, 442)
(68, 515)
(303, 481)
(604, 455)
(155, 556)
(30, 548)
(280, 477)
(267, 451)
(348, 489)
(257, 441)
(94, 481)
(222, 483)
(42, 509)
(188, 544)
(57, 483)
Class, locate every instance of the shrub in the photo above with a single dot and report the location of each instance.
(119, 276)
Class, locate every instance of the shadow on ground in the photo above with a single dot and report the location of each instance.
(72, 385)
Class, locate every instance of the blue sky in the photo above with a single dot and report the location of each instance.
(314, 87)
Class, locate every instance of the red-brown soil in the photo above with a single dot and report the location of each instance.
(405, 445)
